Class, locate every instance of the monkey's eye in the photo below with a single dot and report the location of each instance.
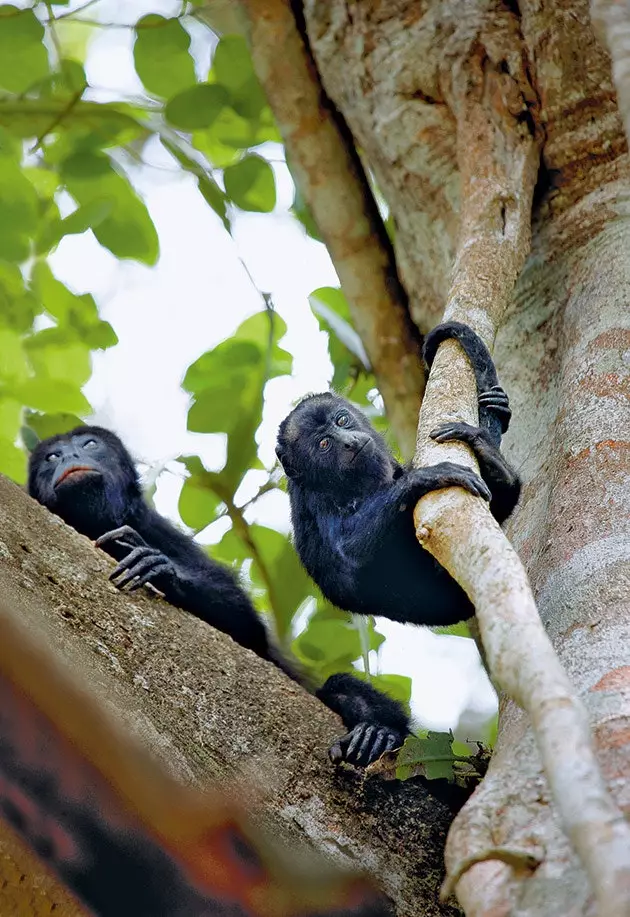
(52, 456)
(89, 444)
(343, 420)
(324, 443)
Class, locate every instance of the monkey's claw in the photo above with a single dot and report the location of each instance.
(142, 565)
(364, 745)
(125, 536)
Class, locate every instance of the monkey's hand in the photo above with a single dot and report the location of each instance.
(143, 564)
(496, 401)
(365, 744)
(420, 481)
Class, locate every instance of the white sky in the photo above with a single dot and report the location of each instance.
(198, 293)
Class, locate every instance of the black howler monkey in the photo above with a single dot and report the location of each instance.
(352, 503)
(87, 477)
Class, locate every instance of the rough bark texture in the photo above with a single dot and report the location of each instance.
(562, 355)
(333, 184)
(180, 687)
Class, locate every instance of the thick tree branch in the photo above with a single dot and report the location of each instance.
(334, 186)
(498, 164)
(210, 710)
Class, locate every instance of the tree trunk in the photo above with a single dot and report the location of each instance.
(209, 711)
(562, 354)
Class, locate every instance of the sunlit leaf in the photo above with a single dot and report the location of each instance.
(129, 231)
(250, 183)
(18, 212)
(196, 108)
(12, 461)
(52, 395)
(207, 185)
(56, 355)
(45, 425)
(161, 55)
(23, 57)
(232, 67)
(18, 306)
(14, 366)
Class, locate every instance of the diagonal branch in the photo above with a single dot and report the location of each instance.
(333, 184)
(498, 158)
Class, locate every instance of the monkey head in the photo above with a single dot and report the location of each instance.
(328, 446)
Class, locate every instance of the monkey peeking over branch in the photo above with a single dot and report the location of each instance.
(88, 478)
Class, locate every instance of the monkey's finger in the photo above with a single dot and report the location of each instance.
(378, 745)
(357, 751)
(143, 571)
(393, 741)
(335, 752)
(366, 754)
(129, 561)
(158, 570)
(355, 737)
(453, 431)
(125, 531)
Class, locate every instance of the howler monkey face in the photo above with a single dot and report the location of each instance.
(88, 465)
(329, 446)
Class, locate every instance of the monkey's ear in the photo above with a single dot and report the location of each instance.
(284, 461)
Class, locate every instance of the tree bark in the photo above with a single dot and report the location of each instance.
(562, 355)
(209, 711)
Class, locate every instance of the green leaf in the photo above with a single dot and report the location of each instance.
(454, 630)
(291, 585)
(430, 755)
(52, 396)
(161, 55)
(12, 461)
(82, 219)
(94, 124)
(129, 231)
(198, 502)
(18, 212)
(196, 108)
(55, 354)
(46, 425)
(208, 187)
(72, 312)
(23, 57)
(18, 306)
(232, 67)
(329, 641)
(396, 686)
(331, 308)
(14, 368)
(10, 417)
(251, 185)
(301, 211)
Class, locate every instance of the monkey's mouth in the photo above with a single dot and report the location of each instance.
(74, 470)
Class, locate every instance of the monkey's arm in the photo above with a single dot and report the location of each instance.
(503, 481)
(375, 722)
(372, 522)
(189, 579)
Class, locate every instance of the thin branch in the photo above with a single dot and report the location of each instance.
(334, 186)
(498, 160)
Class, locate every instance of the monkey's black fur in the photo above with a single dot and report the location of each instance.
(352, 502)
(87, 477)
